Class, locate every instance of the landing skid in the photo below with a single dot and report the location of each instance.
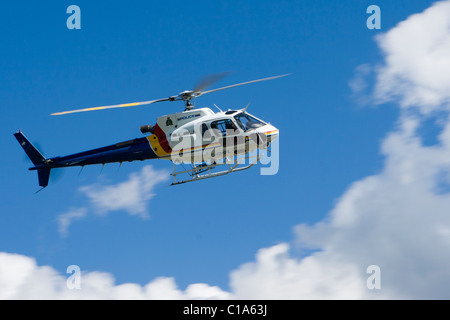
(206, 171)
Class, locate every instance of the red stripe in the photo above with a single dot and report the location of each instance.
(162, 139)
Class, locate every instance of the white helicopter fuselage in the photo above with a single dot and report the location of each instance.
(202, 135)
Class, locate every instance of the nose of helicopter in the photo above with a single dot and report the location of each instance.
(270, 132)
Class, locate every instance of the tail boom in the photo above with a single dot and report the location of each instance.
(127, 151)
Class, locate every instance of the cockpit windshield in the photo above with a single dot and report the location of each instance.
(248, 122)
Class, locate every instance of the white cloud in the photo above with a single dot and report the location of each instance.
(417, 64)
(65, 219)
(360, 85)
(22, 278)
(391, 220)
(132, 195)
(276, 275)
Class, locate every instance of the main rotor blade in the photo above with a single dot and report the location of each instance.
(123, 105)
(248, 82)
(209, 80)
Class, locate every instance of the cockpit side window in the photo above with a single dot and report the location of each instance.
(248, 122)
(223, 126)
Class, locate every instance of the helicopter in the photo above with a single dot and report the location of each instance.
(200, 137)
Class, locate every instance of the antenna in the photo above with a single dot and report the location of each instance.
(218, 107)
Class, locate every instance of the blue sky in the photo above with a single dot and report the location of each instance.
(125, 52)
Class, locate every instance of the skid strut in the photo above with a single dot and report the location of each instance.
(205, 171)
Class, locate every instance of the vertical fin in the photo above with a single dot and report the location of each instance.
(35, 156)
(43, 175)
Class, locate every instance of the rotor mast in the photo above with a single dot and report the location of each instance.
(187, 96)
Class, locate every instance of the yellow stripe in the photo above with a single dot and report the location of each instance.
(129, 104)
(98, 108)
(154, 142)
